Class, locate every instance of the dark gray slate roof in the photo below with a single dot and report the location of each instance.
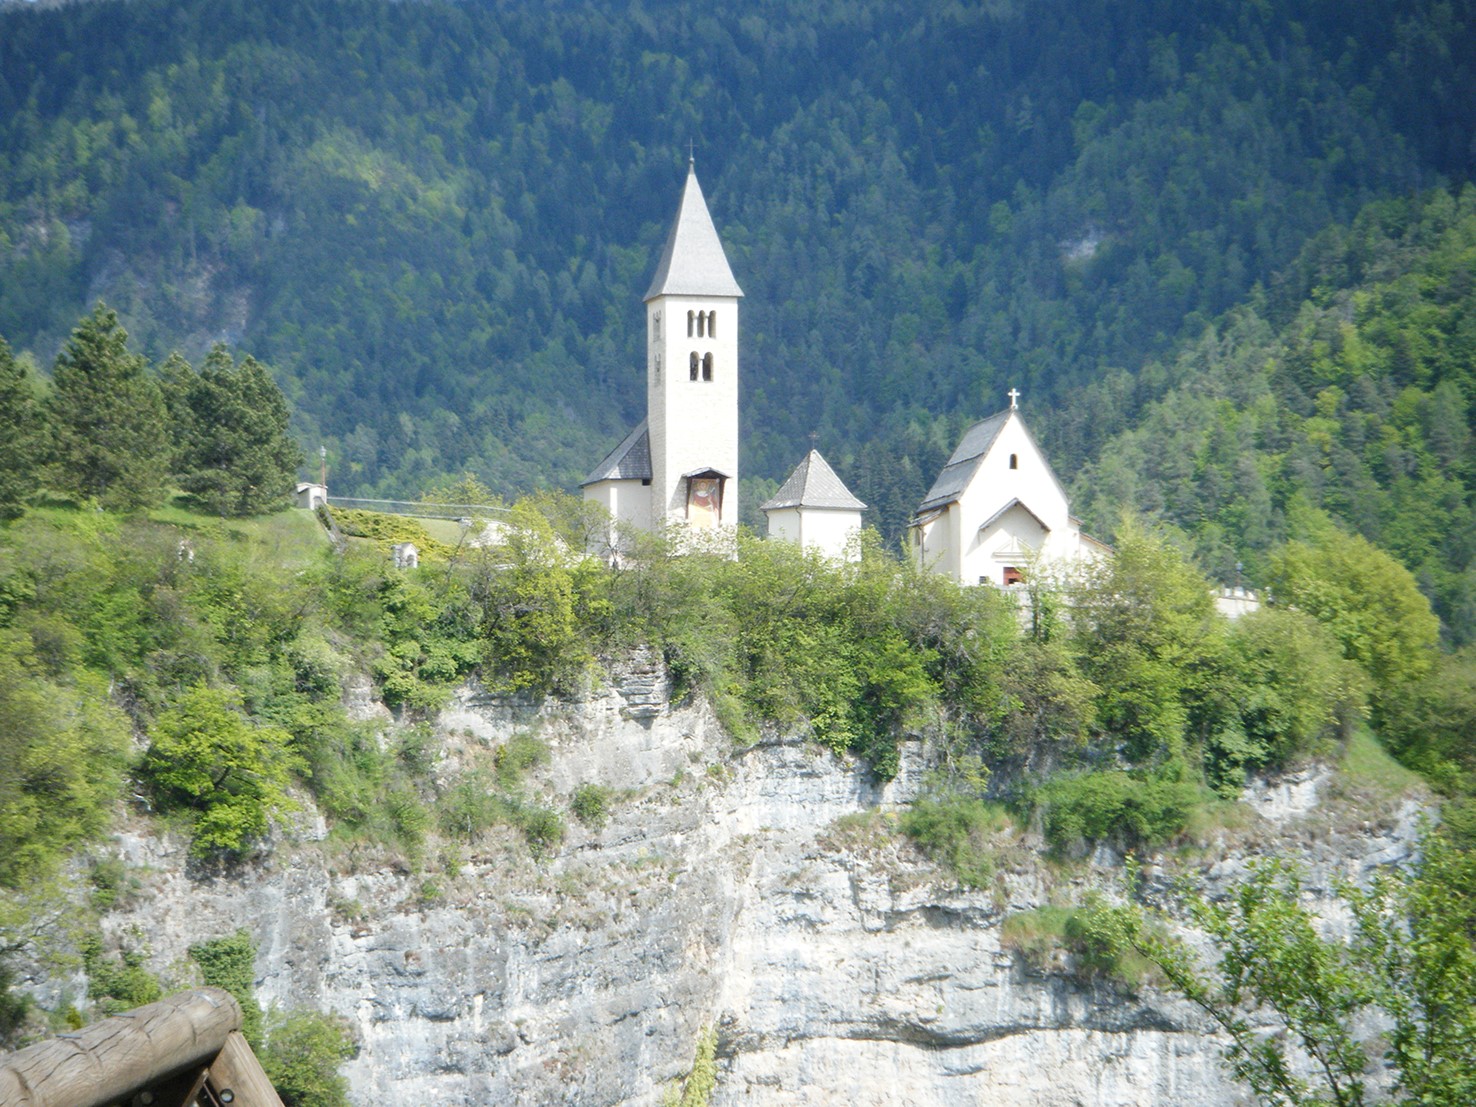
(814, 484)
(693, 263)
(631, 460)
(960, 469)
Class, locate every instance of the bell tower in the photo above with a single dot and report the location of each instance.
(692, 373)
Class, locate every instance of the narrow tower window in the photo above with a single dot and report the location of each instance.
(692, 365)
(707, 367)
(702, 324)
(1014, 461)
(691, 323)
(712, 324)
(658, 367)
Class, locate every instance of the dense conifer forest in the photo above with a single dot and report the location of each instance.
(434, 222)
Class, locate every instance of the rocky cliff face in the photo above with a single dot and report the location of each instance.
(729, 889)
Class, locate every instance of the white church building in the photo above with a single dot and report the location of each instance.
(681, 464)
(815, 510)
(997, 511)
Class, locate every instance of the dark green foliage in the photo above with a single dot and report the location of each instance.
(591, 804)
(22, 435)
(234, 453)
(1348, 389)
(229, 963)
(110, 435)
(436, 220)
(1128, 809)
(118, 983)
(304, 1050)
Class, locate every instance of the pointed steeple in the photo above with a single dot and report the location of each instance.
(693, 263)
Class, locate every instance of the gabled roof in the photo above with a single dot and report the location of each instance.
(631, 460)
(693, 263)
(960, 469)
(1016, 502)
(814, 484)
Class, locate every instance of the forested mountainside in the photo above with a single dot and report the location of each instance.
(435, 221)
(1353, 394)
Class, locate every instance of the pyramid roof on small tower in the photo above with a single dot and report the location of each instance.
(693, 263)
(814, 484)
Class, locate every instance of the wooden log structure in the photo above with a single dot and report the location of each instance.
(184, 1051)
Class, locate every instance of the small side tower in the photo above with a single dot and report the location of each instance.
(692, 373)
(815, 509)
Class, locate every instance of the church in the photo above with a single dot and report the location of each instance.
(680, 465)
(997, 510)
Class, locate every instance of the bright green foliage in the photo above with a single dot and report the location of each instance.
(303, 1052)
(1411, 957)
(542, 607)
(697, 1089)
(111, 440)
(1416, 938)
(234, 452)
(1147, 635)
(1371, 605)
(22, 435)
(229, 963)
(958, 833)
(228, 771)
(62, 746)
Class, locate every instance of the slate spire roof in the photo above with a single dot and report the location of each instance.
(693, 263)
(813, 484)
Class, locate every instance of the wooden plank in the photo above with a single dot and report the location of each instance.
(237, 1073)
(113, 1059)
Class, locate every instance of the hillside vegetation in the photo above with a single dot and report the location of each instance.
(435, 221)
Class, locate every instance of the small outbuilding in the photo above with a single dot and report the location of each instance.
(815, 509)
(311, 496)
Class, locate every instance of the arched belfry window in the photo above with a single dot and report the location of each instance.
(702, 324)
(707, 367)
(712, 324)
(1014, 461)
(691, 323)
(693, 364)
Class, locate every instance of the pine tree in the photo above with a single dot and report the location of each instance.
(108, 418)
(236, 457)
(20, 435)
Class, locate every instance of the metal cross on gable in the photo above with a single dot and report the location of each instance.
(1014, 395)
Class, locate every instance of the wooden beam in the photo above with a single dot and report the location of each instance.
(111, 1060)
(236, 1072)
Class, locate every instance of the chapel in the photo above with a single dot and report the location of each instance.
(997, 510)
(680, 465)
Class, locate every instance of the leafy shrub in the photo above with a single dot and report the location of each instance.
(118, 984)
(303, 1052)
(1123, 807)
(230, 963)
(520, 753)
(542, 827)
(590, 804)
(956, 833)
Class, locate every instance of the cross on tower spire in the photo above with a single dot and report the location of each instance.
(1014, 395)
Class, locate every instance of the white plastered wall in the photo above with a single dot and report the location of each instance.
(829, 530)
(693, 424)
